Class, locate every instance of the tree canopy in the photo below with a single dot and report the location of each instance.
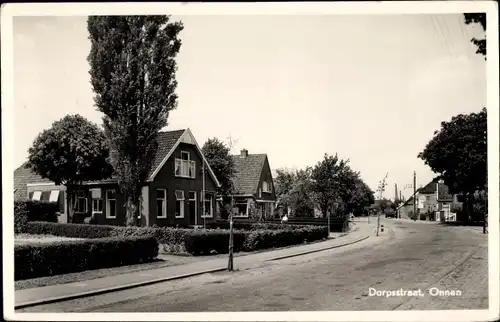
(70, 152)
(133, 69)
(219, 157)
(477, 18)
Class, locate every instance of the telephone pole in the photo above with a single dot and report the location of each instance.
(231, 237)
(415, 194)
(203, 196)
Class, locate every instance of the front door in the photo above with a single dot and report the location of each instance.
(192, 209)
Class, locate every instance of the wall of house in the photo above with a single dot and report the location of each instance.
(266, 176)
(166, 179)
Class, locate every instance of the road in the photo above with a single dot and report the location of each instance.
(415, 256)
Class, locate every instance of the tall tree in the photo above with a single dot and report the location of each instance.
(218, 156)
(294, 190)
(360, 198)
(72, 151)
(478, 18)
(132, 69)
(331, 182)
(458, 154)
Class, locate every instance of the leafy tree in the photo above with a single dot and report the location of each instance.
(72, 151)
(294, 190)
(132, 69)
(361, 198)
(458, 154)
(219, 158)
(477, 18)
(332, 183)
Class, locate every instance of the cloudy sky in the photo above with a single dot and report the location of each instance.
(370, 88)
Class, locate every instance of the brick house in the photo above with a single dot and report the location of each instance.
(253, 183)
(172, 195)
(432, 200)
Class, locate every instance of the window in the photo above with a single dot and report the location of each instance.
(266, 187)
(242, 207)
(161, 203)
(110, 203)
(185, 167)
(179, 203)
(96, 206)
(54, 196)
(139, 210)
(260, 193)
(81, 202)
(36, 195)
(208, 202)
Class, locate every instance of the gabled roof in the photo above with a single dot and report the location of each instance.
(167, 143)
(247, 171)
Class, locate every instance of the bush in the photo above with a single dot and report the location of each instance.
(203, 242)
(164, 235)
(37, 260)
(31, 210)
(69, 230)
(265, 238)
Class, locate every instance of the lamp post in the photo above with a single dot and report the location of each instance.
(203, 196)
(231, 237)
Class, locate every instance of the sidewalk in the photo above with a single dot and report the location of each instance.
(54, 293)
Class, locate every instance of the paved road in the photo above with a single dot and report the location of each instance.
(416, 256)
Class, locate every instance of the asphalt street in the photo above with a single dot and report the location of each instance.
(449, 265)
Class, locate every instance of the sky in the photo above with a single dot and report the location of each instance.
(371, 88)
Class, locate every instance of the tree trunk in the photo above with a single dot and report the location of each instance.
(131, 212)
(70, 200)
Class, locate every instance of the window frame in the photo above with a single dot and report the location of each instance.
(211, 200)
(247, 209)
(182, 202)
(54, 191)
(186, 167)
(163, 205)
(108, 204)
(80, 195)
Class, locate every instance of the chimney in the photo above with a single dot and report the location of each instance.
(244, 153)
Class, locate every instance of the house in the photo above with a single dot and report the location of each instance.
(172, 195)
(253, 185)
(433, 200)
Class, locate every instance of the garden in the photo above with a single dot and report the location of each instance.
(44, 247)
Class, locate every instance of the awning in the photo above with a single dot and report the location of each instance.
(54, 196)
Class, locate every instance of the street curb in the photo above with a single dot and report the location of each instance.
(316, 250)
(113, 289)
(159, 280)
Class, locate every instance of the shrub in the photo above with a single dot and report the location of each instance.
(265, 238)
(203, 242)
(32, 210)
(37, 260)
(69, 230)
(20, 217)
(164, 235)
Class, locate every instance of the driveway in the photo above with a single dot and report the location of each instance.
(415, 256)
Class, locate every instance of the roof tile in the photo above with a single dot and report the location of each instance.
(247, 171)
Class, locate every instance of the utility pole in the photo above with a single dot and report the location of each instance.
(381, 189)
(231, 237)
(415, 194)
(203, 196)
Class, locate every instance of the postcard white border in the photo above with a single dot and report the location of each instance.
(287, 8)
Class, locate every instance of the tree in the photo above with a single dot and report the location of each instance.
(331, 183)
(132, 69)
(458, 153)
(361, 198)
(72, 151)
(477, 18)
(294, 190)
(219, 158)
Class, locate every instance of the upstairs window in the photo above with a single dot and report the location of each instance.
(185, 167)
(266, 187)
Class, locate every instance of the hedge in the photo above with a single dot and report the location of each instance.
(261, 239)
(37, 260)
(32, 210)
(69, 230)
(336, 224)
(194, 241)
(203, 242)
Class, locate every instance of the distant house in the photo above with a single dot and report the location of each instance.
(432, 200)
(172, 195)
(253, 184)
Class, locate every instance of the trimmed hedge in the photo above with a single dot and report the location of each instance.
(336, 224)
(69, 230)
(261, 239)
(203, 242)
(164, 235)
(32, 210)
(37, 260)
